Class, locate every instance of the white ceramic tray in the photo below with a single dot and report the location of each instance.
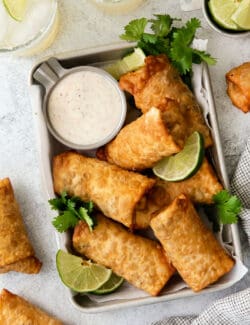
(48, 147)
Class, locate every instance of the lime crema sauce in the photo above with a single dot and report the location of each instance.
(84, 107)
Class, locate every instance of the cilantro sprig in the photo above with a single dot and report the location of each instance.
(167, 39)
(228, 207)
(71, 210)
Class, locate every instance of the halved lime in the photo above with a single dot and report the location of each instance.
(80, 275)
(16, 8)
(242, 15)
(185, 163)
(129, 63)
(114, 282)
(222, 11)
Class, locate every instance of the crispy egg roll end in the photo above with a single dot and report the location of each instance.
(84, 243)
(190, 245)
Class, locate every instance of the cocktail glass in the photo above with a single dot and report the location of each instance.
(34, 33)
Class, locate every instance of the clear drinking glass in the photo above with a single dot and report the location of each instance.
(34, 33)
(117, 7)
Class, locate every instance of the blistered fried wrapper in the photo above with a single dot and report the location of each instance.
(141, 261)
(190, 245)
(15, 310)
(201, 188)
(115, 191)
(141, 143)
(16, 251)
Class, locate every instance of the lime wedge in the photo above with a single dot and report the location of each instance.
(114, 282)
(80, 275)
(222, 11)
(129, 63)
(242, 15)
(16, 8)
(185, 163)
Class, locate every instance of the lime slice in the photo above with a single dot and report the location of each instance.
(222, 11)
(129, 63)
(242, 15)
(16, 8)
(114, 282)
(80, 275)
(185, 163)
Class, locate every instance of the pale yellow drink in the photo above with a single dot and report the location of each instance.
(34, 33)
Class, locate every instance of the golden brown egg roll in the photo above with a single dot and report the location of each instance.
(238, 81)
(28, 265)
(113, 190)
(237, 97)
(190, 245)
(141, 261)
(200, 188)
(16, 252)
(140, 144)
(15, 310)
(158, 84)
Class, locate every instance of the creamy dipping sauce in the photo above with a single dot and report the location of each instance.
(84, 107)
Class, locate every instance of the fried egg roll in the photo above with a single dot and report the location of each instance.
(15, 310)
(28, 265)
(115, 191)
(190, 245)
(200, 188)
(238, 82)
(16, 251)
(140, 144)
(141, 261)
(158, 84)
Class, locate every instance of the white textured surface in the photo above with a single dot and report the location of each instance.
(81, 26)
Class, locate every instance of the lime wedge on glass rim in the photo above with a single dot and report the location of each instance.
(16, 8)
(80, 275)
(129, 63)
(114, 282)
(222, 11)
(185, 163)
(242, 15)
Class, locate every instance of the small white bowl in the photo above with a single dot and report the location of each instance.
(218, 28)
(50, 73)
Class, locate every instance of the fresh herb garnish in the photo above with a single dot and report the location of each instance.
(71, 210)
(228, 207)
(175, 42)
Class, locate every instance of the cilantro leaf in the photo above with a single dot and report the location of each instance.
(181, 53)
(90, 206)
(161, 26)
(149, 38)
(190, 29)
(228, 207)
(221, 197)
(134, 30)
(181, 56)
(65, 221)
(167, 39)
(64, 197)
(203, 56)
(85, 216)
(56, 204)
(71, 210)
